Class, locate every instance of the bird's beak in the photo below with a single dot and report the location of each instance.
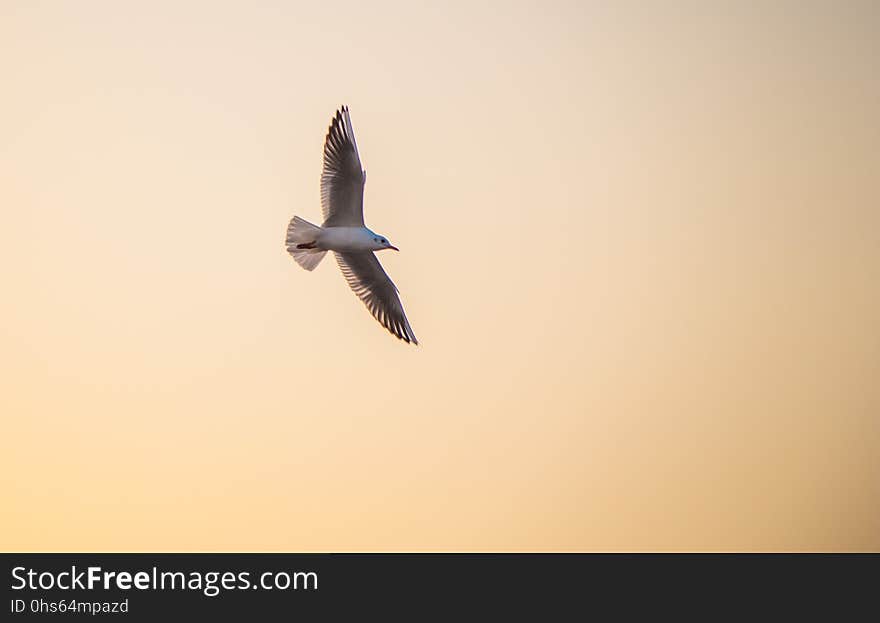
(393, 247)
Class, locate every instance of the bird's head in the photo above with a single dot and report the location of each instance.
(380, 243)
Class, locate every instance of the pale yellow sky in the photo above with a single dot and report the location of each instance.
(640, 249)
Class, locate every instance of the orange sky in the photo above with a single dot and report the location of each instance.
(640, 249)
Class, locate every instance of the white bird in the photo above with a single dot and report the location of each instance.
(344, 232)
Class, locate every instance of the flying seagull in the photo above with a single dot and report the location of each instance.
(344, 232)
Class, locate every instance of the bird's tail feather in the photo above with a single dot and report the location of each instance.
(301, 237)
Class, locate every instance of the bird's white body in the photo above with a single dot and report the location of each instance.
(350, 239)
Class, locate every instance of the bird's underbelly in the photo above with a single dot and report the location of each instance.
(345, 239)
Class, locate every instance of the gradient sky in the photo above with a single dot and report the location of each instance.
(640, 249)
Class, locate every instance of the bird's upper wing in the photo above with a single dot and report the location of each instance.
(343, 178)
(371, 283)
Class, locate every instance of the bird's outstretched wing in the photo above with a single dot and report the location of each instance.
(342, 179)
(371, 283)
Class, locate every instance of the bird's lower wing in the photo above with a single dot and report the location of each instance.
(371, 283)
